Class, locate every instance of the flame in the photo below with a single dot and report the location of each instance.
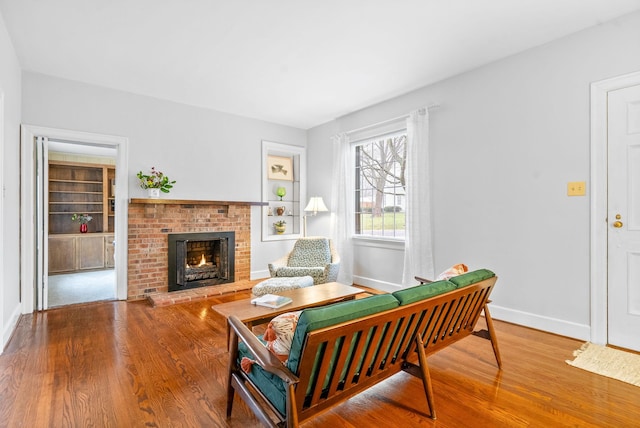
(203, 261)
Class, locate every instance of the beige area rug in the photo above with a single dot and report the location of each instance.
(621, 365)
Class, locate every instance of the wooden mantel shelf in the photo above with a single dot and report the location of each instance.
(191, 202)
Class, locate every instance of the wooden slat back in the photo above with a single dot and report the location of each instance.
(380, 344)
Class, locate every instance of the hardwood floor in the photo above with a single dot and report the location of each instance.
(118, 364)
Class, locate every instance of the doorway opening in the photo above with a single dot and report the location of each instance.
(34, 206)
(79, 216)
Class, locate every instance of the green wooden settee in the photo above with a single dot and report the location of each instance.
(342, 349)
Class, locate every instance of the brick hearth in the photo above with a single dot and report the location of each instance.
(151, 220)
(200, 293)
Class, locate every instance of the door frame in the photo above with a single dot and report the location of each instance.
(3, 340)
(598, 224)
(30, 279)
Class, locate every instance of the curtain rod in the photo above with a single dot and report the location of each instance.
(395, 119)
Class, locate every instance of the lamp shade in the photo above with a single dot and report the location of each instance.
(316, 204)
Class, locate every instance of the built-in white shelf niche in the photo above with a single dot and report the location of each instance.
(283, 167)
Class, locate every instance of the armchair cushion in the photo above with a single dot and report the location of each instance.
(315, 257)
(309, 252)
(314, 272)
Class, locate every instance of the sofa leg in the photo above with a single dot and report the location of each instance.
(230, 394)
(426, 376)
(291, 407)
(492, 335)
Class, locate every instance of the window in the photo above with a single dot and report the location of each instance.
(380, 185)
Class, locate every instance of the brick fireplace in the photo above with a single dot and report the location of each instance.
(201, 259)
(152, 220)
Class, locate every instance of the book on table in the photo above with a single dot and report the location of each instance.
(271, 301)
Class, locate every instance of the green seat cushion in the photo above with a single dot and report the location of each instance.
(312, 319)
(268, 383)
(315, 318)
(424, 291)
(472, 277)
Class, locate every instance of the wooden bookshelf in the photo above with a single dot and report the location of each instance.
(83, 189)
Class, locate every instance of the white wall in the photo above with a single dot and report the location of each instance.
(211, 155)
(505, 141)
(10, 187)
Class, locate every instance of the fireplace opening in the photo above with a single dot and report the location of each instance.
(200, 259)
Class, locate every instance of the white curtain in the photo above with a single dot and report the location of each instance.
(418, 254)
(342, 206)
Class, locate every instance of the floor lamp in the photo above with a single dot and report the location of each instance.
(315, 205)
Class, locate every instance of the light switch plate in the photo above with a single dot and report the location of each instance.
(577, 188)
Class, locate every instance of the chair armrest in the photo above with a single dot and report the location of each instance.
(264, 358)
(331, 271)
(423, 280)
(281, 262)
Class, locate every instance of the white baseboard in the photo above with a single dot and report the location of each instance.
(389, 287)
(10, 326)
(551, 325)
(526, 319)
(259, 274)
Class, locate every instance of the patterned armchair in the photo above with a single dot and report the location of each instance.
(315, 257)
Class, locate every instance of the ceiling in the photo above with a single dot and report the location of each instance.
(293, 62)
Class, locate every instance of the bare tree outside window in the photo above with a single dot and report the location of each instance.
(381, 186)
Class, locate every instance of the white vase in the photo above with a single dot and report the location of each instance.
(154, 193)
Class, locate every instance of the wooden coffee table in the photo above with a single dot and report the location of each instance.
(307, 297)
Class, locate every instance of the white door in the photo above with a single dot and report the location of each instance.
(42, 215)
(624, 218)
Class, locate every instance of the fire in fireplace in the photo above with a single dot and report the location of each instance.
(200, 259)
